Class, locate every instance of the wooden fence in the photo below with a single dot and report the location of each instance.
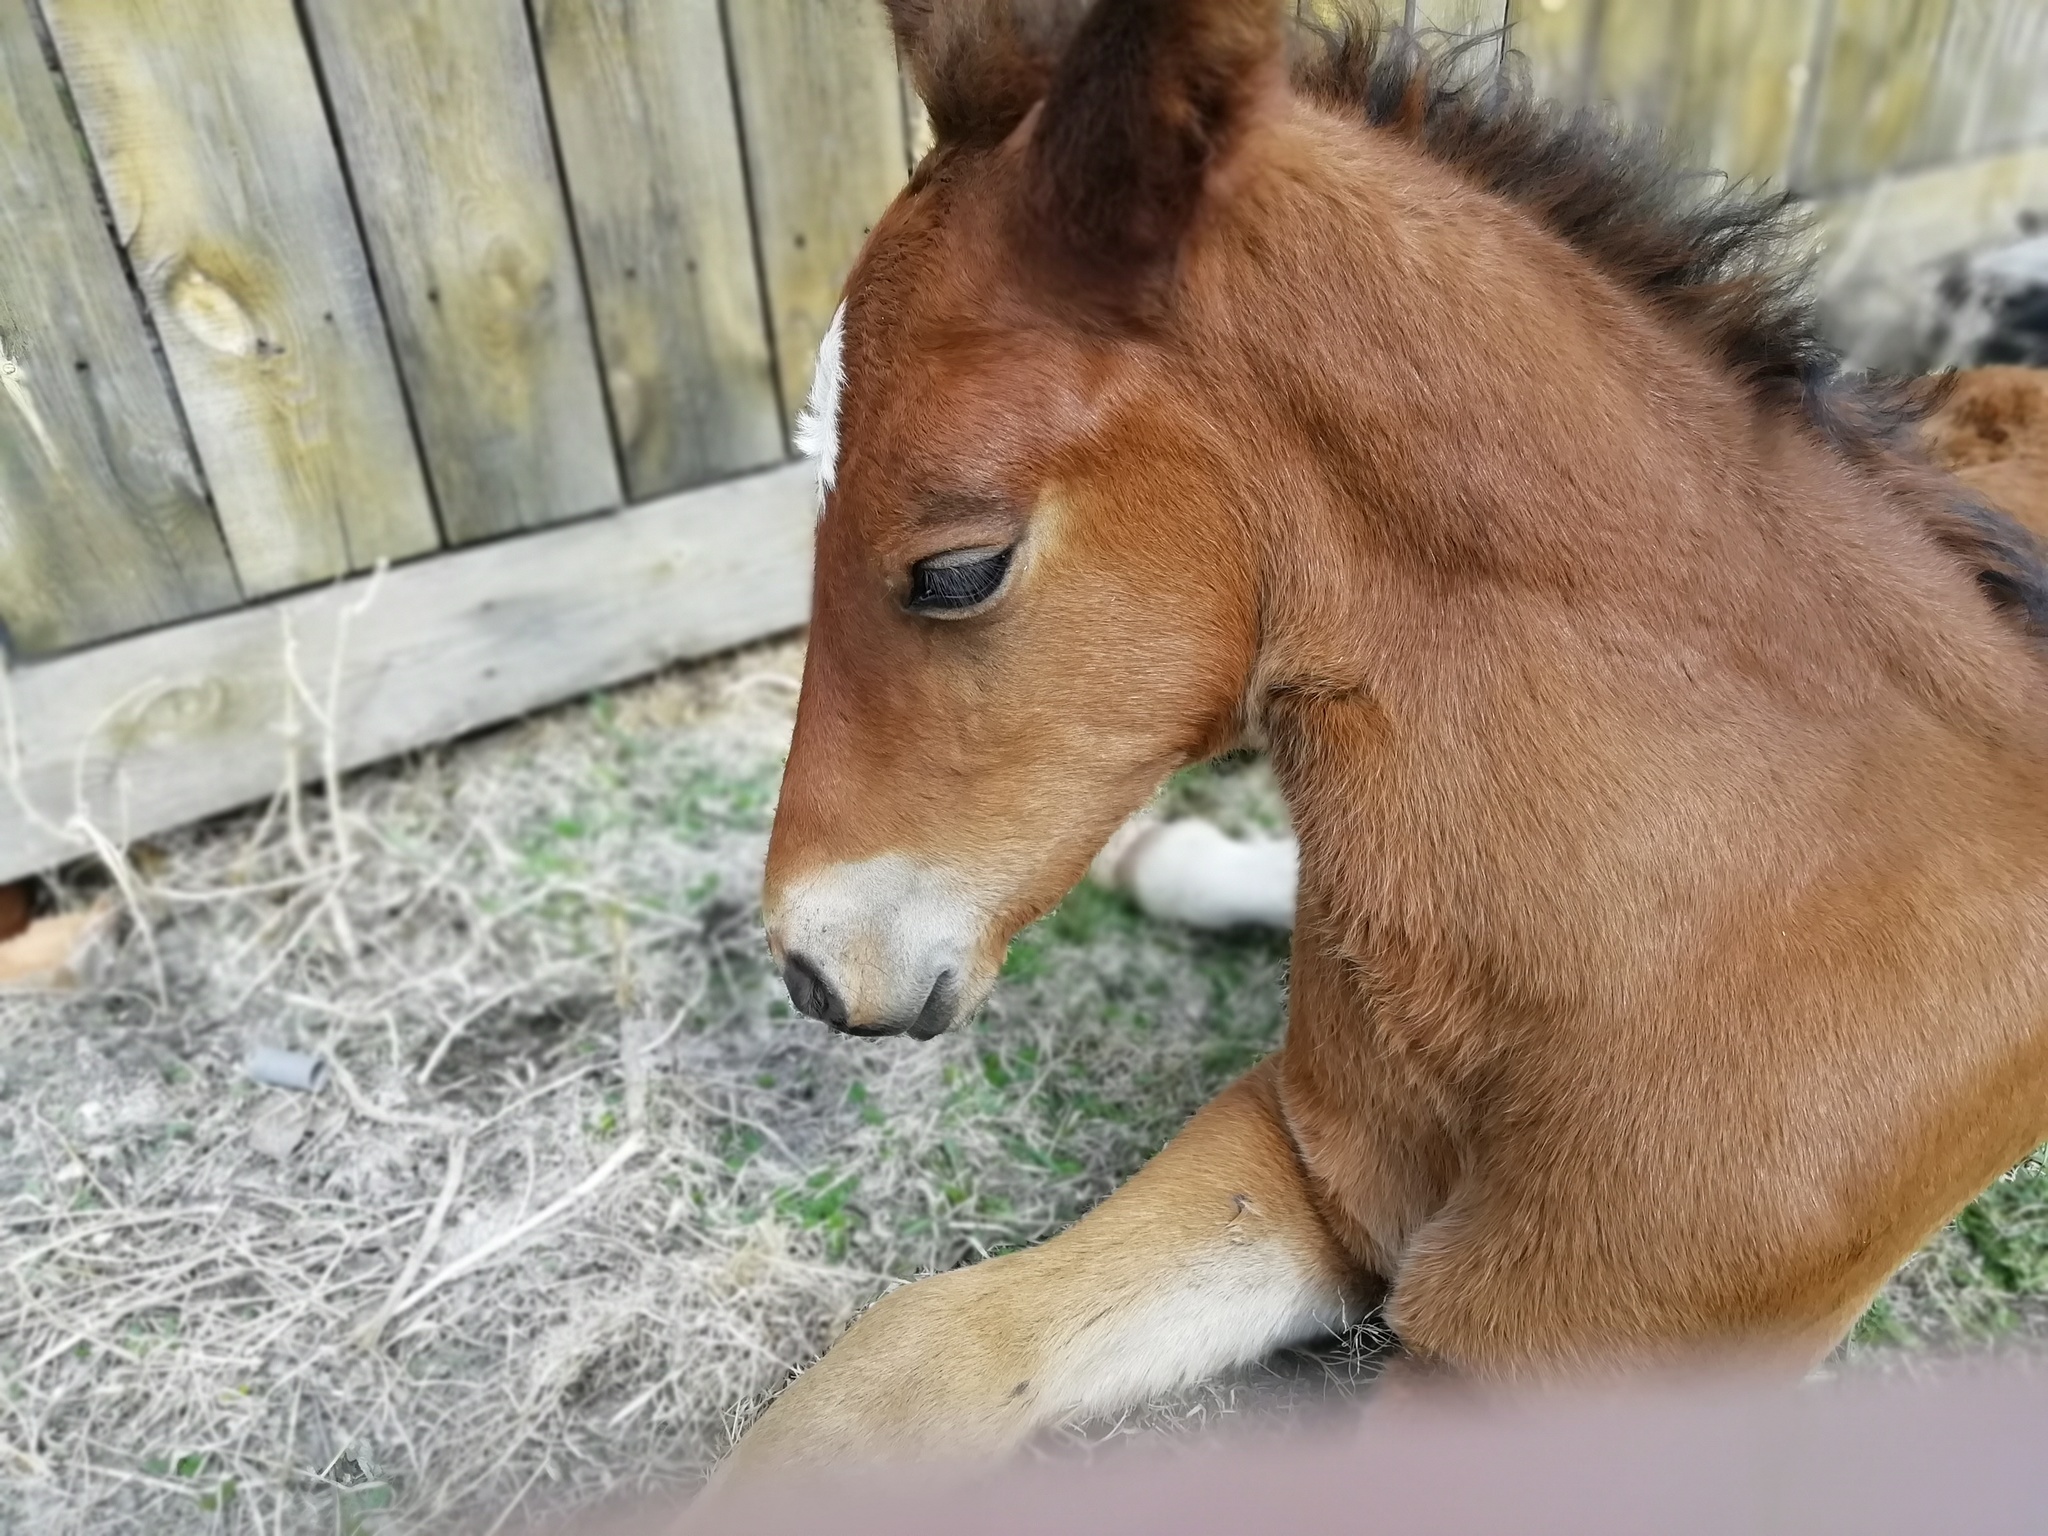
(518, 296)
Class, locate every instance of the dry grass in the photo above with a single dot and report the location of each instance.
(582, 1188)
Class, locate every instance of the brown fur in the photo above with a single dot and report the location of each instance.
(1991, 431)
(979, 68)
(1673, 944)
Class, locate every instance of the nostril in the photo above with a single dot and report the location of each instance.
(937, 1012)
(812, 993)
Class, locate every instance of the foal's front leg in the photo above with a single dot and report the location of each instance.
(1213, 1255)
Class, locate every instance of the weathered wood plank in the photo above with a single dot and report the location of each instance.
(1469, 19)
(1989, 90)
(1741, 82)
(104, 526)
(211, 141)
(822, 112)
(650, 145)
(1556, 42)
(1883, 249)
(1726, 79)
(146, 734)
(1464, 17)
(1879, 66)
(1635, 53)
(445, 131)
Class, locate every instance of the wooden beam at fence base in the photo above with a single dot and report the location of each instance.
(439, 106)
(104, 526)
(207, 125)
(153, 732)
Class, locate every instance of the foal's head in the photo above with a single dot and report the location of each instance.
(1030, 602)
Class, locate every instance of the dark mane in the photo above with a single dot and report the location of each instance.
(1721, 259)
(1717, 257)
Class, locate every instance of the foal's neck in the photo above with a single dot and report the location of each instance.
(1562, 623)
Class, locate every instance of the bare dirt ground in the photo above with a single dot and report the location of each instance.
(580, 1188)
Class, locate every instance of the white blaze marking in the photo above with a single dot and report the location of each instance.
(817, 424)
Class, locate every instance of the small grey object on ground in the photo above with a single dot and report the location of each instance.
(277, 1067)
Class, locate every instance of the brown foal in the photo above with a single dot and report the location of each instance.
(1668, 747)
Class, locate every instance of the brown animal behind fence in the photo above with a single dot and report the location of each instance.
(1668, 747)
(1991, 431)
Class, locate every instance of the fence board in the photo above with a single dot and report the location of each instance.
(210, 137)
(1461, 16)
(445, 131)
(822, 115)
(1466, 18)
(1637, 54)
(1555, 40)
(650, 145)
(1987, 92)
(1727, 79)
(1743, 80)
(104, 526)
(151, 733)
(1879, 68)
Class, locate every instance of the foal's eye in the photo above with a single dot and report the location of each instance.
(958, 580)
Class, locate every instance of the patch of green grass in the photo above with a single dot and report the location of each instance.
(1983, 1278)
(820, 1204)
(2007, 1227)
(210, 1495)
(708, 800)
(864, 1104)
(356, 1508)
(1880, 1326)
(1236, 791)
(1105, 1033)
(1088, 914)
(738, 1144)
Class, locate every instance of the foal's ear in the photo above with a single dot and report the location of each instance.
(980, 65)
(1146, 100)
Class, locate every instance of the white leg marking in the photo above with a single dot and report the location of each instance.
(1190, 872)
(1223, 1309)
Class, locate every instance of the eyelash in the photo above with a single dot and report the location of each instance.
(952, 583)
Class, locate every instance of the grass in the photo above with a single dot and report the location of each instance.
(535, 960)
(1982, 1281)
(583, 1188)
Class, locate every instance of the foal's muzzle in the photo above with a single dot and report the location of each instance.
(884, 946)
